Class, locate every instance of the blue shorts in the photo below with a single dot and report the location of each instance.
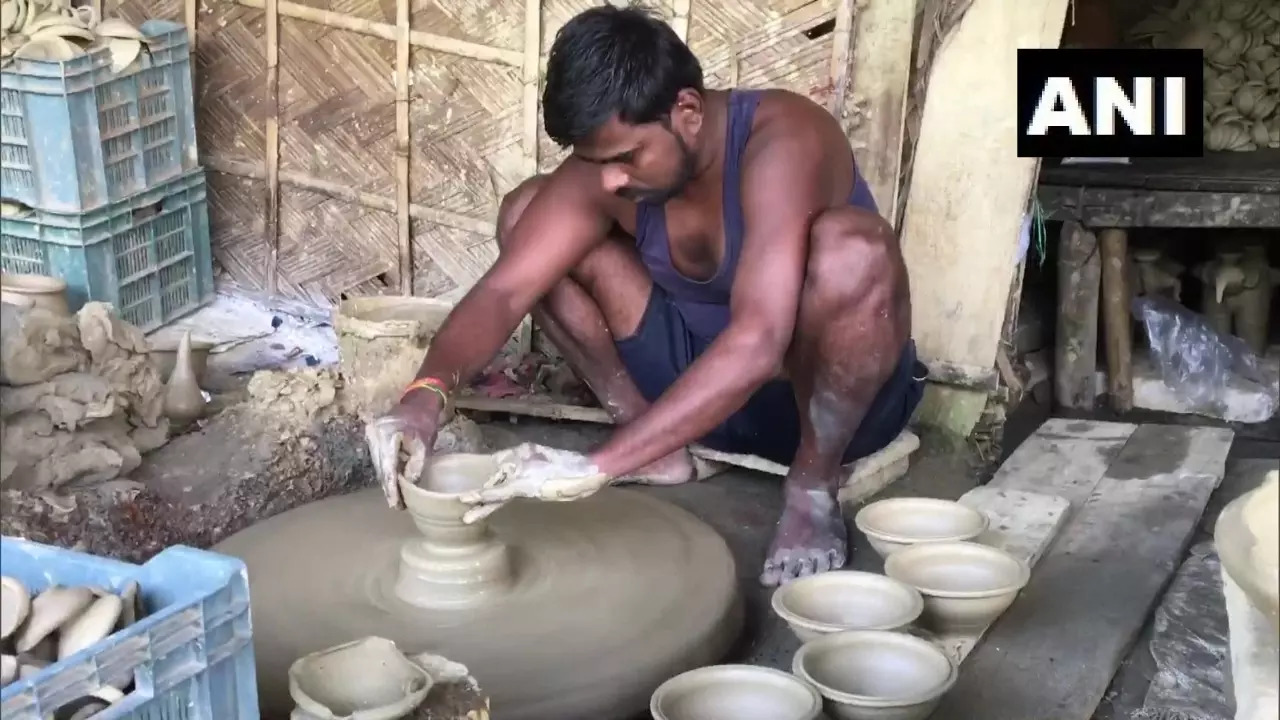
(768, 426)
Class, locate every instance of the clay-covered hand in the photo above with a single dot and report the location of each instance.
(534, 471)
(400, 443)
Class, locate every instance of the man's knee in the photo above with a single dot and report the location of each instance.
(514, 203)
(849, 248)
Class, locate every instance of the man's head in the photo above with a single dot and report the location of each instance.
(625, 92)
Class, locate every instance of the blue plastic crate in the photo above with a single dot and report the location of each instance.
(149, 255)
(190, 657)
(75, 136)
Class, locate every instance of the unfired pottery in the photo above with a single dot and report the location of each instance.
(735, 692)
(368, 679)
(846, 600)
(131, 600)
(183, 400)
(95, 623)
(165, 357)
(43, 291)
(49, 611)
(1237, 297)
(453, 564)
(1247, 536)
(1156, 275)
(966, 586)
(8, 669)
(893, 524)
(15, 603)
(875, 675)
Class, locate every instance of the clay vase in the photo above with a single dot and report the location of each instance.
(1253, 302)
(1223, 278)
(368, 679)
(1154, 275)
(43, 291)
(183, 399)
(1246, 538)
(453, 564)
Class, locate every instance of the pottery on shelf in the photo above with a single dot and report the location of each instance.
(1156, 275)
(1237, 297)
(966, 586)
(453, 564)
(1246, 539)
(49, 293)
(15, 603)
(49, 611)
(846, 600)
(95, 623)
(368, 679)
(875, 675)
(183, 399)
(735, 692)
(897, 523)
(165, 357)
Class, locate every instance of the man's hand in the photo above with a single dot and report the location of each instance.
(409, 429)
(535, 471)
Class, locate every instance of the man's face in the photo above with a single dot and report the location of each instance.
(645, 163)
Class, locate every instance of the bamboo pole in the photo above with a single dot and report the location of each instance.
(403, 234)
(271, 224)
(1113, 244)
(680, 18)
(530, 69)
(841, 55)
(338, 191)
(430, 41)
(190, 14)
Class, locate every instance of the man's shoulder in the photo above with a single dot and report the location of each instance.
(786, 116)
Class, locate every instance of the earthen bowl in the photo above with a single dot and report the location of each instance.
(875, 675)
(966, 586)
(735, 692)
(846, 600)
(896, 523)
(435, 496)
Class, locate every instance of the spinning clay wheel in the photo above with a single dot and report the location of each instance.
(560, 610)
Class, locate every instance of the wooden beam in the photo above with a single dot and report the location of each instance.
(404, 235)
(1124, 208)
(1117, 327)
(430, 41)
(1075, 364)
(964, 211)
(271, 221)
(190, 15)
(883, 33)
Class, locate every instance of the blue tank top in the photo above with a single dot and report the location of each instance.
(705, 304)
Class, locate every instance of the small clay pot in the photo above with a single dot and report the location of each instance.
(735, 692)
(876, 675)
(846, 600)
(43, 291)
(966, 586)
(893, 524)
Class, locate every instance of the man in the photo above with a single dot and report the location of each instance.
(714, 268)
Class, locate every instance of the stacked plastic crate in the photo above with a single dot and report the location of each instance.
(100, 179)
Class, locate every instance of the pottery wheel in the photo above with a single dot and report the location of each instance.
(612, 595)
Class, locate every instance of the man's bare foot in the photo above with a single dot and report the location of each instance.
(811, 538)
(674, 469)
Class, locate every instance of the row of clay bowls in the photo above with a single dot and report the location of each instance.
(55, 31)
(57, 623)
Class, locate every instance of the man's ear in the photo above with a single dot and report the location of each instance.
(686, 114)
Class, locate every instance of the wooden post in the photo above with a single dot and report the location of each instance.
(1076, 351)
(403, 230)
(190, 13)
(841, 56)
(1115, 318)
(271, 223)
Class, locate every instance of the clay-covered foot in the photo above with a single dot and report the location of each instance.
(674, 469)
(811, 538)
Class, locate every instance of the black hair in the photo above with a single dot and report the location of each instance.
(608, 60)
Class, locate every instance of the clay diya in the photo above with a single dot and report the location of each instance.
(368, 679)
(49, 610)
(49, 293)
(453, 564)
(15, 603)
(966, 586)
(893, 524)
(95, 623)
(735, 692)
(846, 600)
(875, 675)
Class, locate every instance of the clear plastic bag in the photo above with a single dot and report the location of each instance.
(1193, 359)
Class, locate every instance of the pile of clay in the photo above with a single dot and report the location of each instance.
(560, 610)
(57, 623)
(80, 400)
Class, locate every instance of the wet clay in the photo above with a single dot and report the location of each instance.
(1247, 536)
(560, 610)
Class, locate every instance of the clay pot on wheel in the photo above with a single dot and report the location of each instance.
(369, 679)
(43, 291)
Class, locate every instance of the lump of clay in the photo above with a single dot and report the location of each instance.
(294, 398)
(120, 353)
(36, 345)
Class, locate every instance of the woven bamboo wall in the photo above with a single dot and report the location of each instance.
(319, 133)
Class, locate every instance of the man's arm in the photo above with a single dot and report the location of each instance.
(783, 189)
(561, 225)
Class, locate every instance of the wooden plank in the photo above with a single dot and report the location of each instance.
(1022, 524)
(1053, 654)
(1065, 458)
(1076, 342)
(1113, 207)
(963, 211)
(841, 56)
